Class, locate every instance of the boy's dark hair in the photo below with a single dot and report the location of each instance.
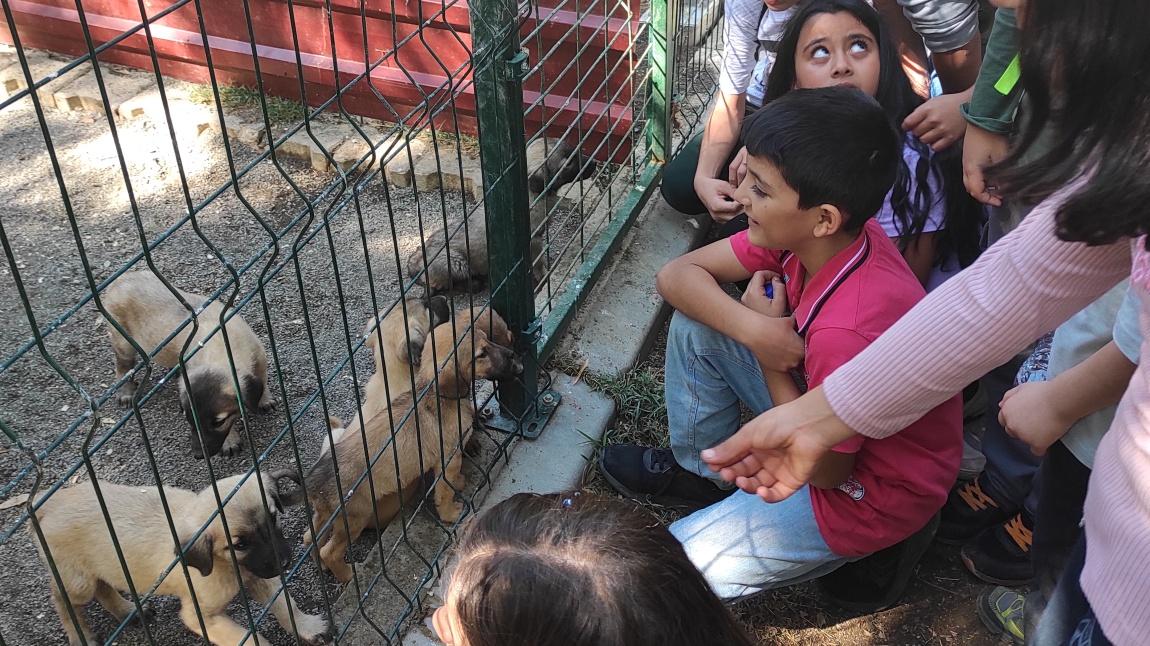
(578, 570)
(832, 145)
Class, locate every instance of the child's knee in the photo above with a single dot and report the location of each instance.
(686, 332)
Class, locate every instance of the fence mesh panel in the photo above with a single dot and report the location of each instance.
(198, 187)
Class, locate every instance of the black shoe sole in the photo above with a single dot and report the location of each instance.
(681, 505)
(983, 576)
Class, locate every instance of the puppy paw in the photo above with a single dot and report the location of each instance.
(449, 511)
(232, 446)
(267, 405)
(313, 629)
(125, 396)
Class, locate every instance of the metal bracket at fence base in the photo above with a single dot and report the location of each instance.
(531, 425)
(516, 67)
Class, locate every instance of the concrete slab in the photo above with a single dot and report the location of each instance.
(614, 327)
(399, 168)
(121, 84)
(556, 460)
(41, 65)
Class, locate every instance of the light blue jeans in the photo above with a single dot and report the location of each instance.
(742, 545)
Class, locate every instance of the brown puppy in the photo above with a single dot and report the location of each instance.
(442, 418)
(81, 545)
(149, 313)
(551, 164)
(402, 347)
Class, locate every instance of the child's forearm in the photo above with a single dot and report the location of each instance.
(693, 291)
(1094, 384)
(720, 135)
(781, 387)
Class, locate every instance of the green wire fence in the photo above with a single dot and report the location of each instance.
(316, 170)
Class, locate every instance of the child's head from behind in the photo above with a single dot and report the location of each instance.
(576, 570)
(819, 164)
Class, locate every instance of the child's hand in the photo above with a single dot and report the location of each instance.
(719, 197)
(1029, 413)
(737, 170)
(756, 295)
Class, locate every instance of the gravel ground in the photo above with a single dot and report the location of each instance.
(39, 405)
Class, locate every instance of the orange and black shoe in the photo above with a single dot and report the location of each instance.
(1001, 554)
(971, 508)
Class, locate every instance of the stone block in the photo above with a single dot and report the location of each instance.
(407, 154)
(41, 65)
(120, 84)
(431, 170)
(304, 145)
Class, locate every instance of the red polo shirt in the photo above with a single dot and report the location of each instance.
(898, 482)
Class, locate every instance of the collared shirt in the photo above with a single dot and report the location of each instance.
(898, 482)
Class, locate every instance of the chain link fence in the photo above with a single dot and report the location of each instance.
(279, 279)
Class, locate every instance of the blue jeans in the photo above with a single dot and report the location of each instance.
(1068, 618)
(742, 545)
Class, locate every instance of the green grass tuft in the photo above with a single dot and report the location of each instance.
(280, 110)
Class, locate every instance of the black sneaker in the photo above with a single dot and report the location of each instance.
(652, 475)
(1001, 554)
(969, 509)
(878, 581)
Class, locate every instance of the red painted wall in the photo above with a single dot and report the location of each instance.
(424, 46)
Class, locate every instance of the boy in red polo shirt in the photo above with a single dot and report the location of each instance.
(820, 165)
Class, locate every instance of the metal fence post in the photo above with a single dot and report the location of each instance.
(661, 91)
(499, 68)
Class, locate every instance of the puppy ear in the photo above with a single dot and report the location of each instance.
(439, 310)
(252, 390)
(199, 555)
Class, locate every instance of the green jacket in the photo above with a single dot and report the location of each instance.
(997, 92)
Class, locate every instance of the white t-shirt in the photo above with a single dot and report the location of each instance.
(750, 47)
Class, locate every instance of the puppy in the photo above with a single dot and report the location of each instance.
(442, 419)
(81, 545)
(148, 312)
(552, 163)
(402, 347)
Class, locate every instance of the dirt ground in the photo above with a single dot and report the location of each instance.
(309, 314)
(938, 607)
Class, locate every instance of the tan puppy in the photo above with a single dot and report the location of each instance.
(442, 418)
(402, 347)
(551, 164)
(149, 313)
(81, 545)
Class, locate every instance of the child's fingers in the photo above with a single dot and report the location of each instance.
(913, 119)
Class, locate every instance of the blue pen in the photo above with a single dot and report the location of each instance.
(769, 290)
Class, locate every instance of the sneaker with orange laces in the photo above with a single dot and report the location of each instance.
(1001, 554)
(970, 508)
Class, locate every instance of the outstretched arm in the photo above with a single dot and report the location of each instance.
(1023, 286)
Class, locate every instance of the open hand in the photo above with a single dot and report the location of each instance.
(776, 453)
(719, 198)
(1030, 414)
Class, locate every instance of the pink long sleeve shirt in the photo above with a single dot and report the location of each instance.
(1019, 289)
